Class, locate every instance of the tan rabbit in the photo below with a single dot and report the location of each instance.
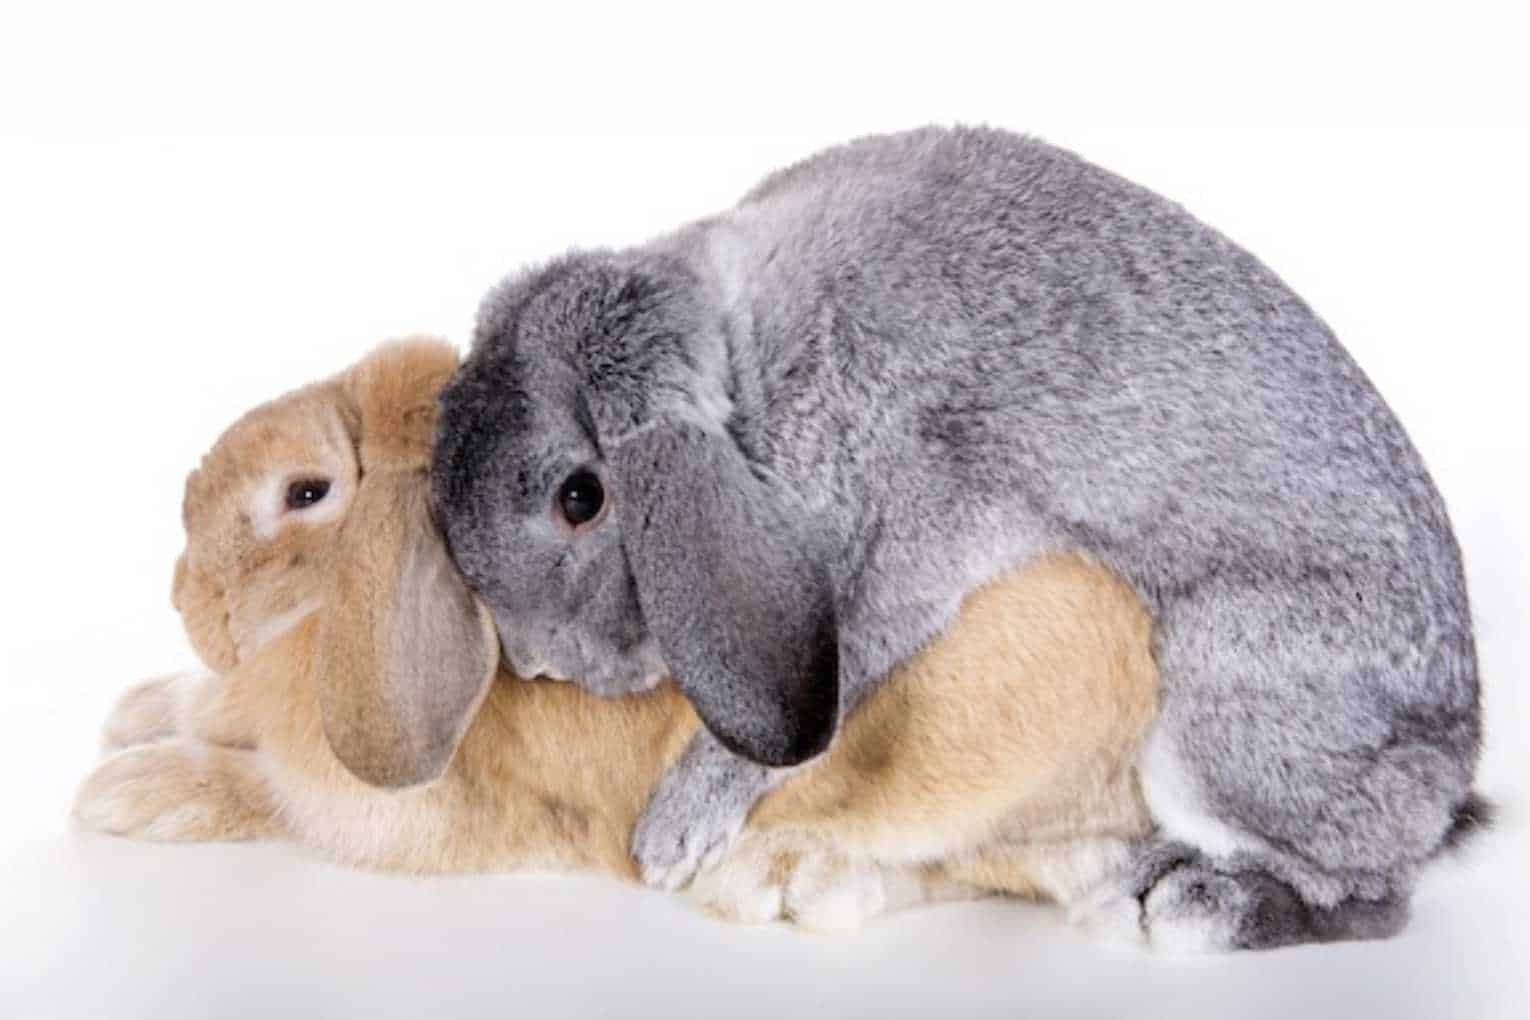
(314, 583)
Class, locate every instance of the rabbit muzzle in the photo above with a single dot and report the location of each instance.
(544, 650)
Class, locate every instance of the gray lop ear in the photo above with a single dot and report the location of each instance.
(405, 652)
(732, 592)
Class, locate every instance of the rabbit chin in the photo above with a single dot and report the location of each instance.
(623, 677)
(639, 668)
(606, 687)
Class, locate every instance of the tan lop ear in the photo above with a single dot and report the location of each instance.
(405, 653)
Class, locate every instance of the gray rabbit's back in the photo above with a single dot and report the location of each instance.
(967, 347)
(1035, 330)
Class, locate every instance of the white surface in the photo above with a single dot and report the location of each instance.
(150, 289)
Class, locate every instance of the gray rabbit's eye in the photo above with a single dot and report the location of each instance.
(581, 498)
(305, 492)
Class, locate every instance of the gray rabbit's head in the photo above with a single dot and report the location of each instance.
(592, 494)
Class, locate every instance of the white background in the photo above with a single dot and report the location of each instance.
(199, 210)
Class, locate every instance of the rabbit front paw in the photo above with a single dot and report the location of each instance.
(813, 887)
(748, 886)
(828, 893)
(696, 813)
(175, 791)
(683, 831)
(148, 711)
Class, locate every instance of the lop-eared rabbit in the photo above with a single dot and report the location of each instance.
(315, 588)
(770, 453)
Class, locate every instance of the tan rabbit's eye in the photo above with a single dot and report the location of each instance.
(305, 492)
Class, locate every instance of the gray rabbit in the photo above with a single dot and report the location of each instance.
(769, 453)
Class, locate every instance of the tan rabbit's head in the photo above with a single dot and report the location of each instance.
(316, 503)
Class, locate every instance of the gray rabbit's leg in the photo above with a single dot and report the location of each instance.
(697, 811)
(1313, 748)
(1189, 901)
(700, 804)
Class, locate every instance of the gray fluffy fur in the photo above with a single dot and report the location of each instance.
(911, 362)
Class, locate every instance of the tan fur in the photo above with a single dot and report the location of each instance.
(996, 759)
(179, 789)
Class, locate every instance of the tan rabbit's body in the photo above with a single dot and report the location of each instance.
(999, 758)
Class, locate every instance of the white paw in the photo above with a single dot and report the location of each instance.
(759, 905)
(157, 791)
(146, 712)
(846, 903)
(1193, 911)
(767, 879)
(744, 888)
(828, 894)
(1110, 915)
